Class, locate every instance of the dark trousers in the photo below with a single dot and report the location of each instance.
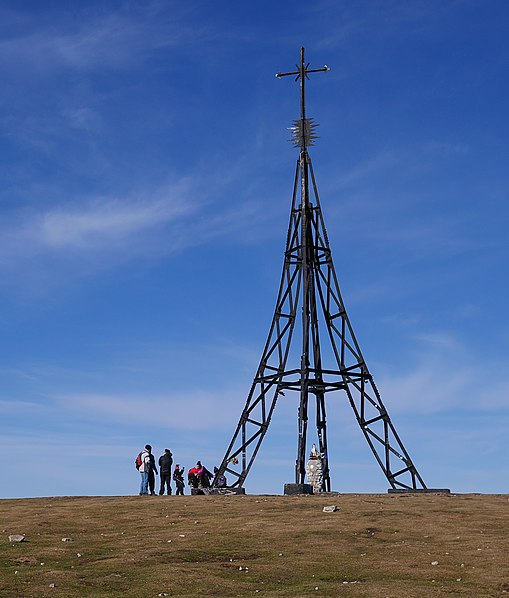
(180, 488)
(151, 481)
(165, 480)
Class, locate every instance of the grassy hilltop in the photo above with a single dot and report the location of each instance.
(375, 546)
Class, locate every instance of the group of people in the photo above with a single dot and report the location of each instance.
(198, 477)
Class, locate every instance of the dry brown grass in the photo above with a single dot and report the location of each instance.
(375, 546)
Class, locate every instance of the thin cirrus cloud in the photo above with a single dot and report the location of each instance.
(445, 377)
(106, 222)
(100, 233)
(97, 222)
(208, 409)
(101, 41)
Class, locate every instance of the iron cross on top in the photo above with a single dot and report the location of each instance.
(303, 129)
(303, 69)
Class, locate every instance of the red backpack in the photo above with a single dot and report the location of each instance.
(137, 461)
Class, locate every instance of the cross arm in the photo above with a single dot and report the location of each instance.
(324, 69)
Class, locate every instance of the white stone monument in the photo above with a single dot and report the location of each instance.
(314, 470)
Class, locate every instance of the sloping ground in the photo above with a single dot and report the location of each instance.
(374, 546)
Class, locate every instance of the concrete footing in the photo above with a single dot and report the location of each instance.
(291, 489)
(419, 491)
(221, 491)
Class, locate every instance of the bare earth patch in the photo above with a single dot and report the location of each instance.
(374, 546)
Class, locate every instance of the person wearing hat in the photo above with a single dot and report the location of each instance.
(165, 463)
(144, 468)
(152, 474)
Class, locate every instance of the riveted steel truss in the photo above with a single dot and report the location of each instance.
(331, 361)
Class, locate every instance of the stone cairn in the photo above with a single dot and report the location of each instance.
(314, 469)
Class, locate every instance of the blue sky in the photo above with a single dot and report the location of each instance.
(145, 188)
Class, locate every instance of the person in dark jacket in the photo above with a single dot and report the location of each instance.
(152, 470)
(178, 478)
(165, 463)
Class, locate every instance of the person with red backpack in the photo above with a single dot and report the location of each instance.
(143, 465)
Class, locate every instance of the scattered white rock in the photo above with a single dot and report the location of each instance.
(459, 579)
(169, 541)
(17, 538)
(182, 535)
(241, 568)
(52, 585)
(16, 572)
(162, 594)
(66, 539)
(280, 554)
(434, 562)
(41, 564)
(330, 509)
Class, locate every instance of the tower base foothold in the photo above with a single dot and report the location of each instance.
(223, 491)
(292, 489)
(418, 491)
(228, 491)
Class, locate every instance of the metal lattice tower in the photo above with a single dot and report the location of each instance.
(309, 289)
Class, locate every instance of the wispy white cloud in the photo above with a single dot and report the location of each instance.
(386, 159)
(107, 222)
(376, 19)
(385, 213)
(93, 225)
(99, 233)
(446, 375)
(192, 411)
(428, 388)
(95, 40)
(17, 407)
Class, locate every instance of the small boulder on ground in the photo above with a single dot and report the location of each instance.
(17, 538)
(330, 509)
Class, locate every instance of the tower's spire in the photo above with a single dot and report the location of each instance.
(303, 129)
